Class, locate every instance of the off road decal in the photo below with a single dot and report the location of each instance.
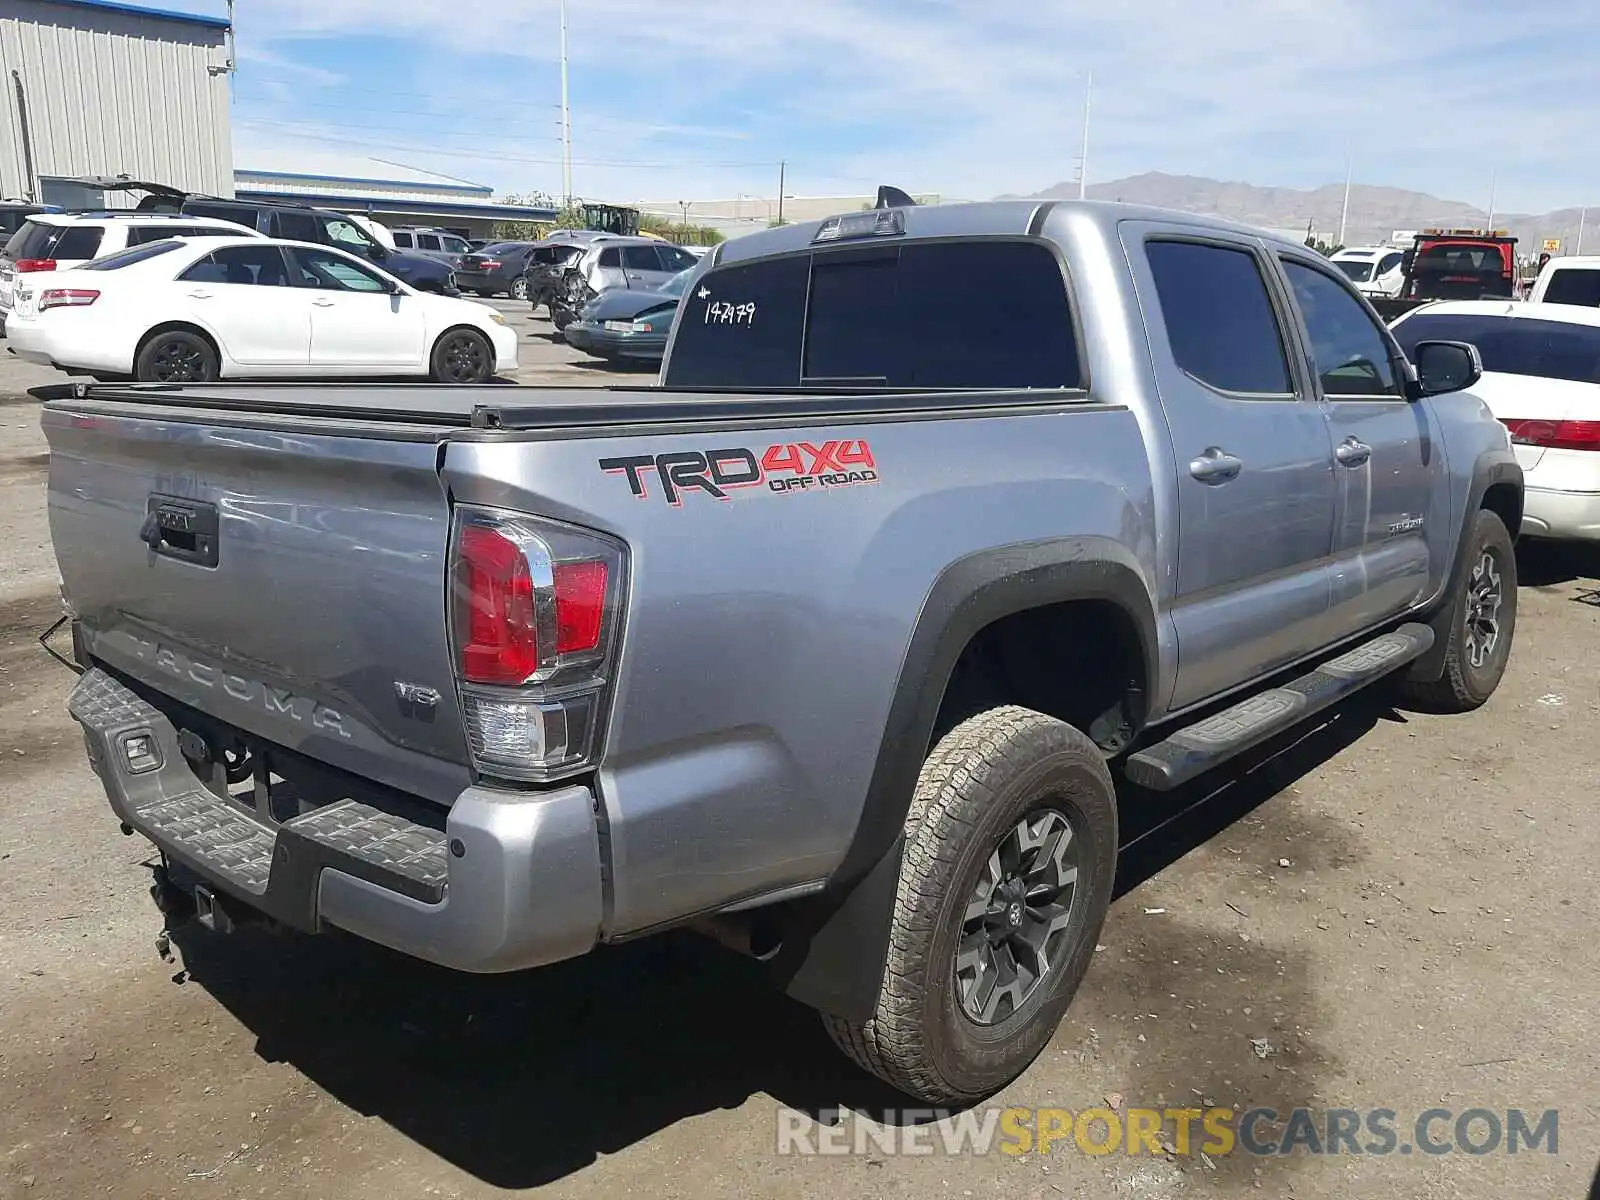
(783, 468)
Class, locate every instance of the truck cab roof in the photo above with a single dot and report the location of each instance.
(995, 217)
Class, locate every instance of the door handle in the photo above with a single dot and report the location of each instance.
(1352, 453)
(323, 303)
(199, 295)
(1216, 465)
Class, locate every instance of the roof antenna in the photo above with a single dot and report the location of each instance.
(893, 197)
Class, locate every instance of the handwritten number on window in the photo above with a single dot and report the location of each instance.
(725, 312)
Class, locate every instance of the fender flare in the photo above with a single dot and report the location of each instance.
(1492, 467)
(835, 943)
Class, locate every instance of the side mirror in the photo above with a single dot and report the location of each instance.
(1446, 367)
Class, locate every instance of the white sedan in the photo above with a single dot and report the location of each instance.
(233, 307)
(1541, 378)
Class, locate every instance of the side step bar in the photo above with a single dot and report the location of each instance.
(1198, 748)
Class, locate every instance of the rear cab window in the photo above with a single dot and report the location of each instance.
(985, 315)
(1574, 285)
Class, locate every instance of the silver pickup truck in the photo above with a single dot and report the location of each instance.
(941, 521)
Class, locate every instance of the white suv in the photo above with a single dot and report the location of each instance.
(61, 241)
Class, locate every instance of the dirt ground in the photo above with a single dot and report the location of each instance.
(1387, 911)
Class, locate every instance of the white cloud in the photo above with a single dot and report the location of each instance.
(970, 98)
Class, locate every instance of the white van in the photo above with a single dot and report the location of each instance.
(1375, 270)
(1574, 279)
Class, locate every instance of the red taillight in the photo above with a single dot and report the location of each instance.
(496, 630)
(488, 264)
(24, 265)
(580, 606)
(536, 610)
(67, 298)
(1555, 435)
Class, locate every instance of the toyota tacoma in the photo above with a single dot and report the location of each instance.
(941, 522)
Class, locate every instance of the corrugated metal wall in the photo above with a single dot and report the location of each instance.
(112, 93)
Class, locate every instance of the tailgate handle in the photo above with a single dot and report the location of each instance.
(186, 530)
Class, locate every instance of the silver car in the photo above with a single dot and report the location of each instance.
(638, 263)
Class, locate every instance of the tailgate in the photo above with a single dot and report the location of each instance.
(291, 584)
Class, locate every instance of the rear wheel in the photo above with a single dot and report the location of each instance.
(519, 288)
(1483, 618)
(1006, 876)
(462, 356)
(176, 356)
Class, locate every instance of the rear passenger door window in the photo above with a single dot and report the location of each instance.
(297, 227)
(1219, 317)
(250, 266)
(640, 258)
(1351, 354)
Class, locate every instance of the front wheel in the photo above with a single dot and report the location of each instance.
(1483, 619)
(1005, 879)
(462, 356)
(176, 356)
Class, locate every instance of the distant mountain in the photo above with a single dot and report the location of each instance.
(1375, 212)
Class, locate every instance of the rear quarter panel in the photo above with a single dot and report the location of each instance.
(766, 632)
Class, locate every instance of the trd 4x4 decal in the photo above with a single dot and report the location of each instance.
(786, 467)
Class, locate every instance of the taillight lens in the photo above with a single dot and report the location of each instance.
(24, 265)
(497, 639)
(489, 264)
(67, 298)
(535, 610)
(1555, 435)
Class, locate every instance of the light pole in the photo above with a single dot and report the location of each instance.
(1583, 219)
(684, 206)
(1344, 212)
(1494, 182)
(566, 116)
(1083, 158)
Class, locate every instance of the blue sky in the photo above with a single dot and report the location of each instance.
(695, 99)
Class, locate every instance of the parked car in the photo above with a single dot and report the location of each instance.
(1571, 279)
(985, 506)
(616, 262)
(546, 266)
(441, 243)
(238, 307)
(1375, 270)
(14, 212)
(296, 222)
(499, 269)
(50, 242)
(1541, 378)
(623, 324)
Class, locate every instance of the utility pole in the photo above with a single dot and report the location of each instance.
(1083, 157)
(1344, 213)
(1494, 181)
(566, 117)
(782, 166)
(1583, 219)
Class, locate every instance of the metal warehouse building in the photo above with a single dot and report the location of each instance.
(95, 87)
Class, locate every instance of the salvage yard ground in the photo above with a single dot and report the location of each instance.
(1393, 911)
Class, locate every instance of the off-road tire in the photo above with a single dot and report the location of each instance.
(1464, 686)
(984, 776)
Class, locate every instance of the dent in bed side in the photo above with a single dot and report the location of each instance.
(834, 948)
